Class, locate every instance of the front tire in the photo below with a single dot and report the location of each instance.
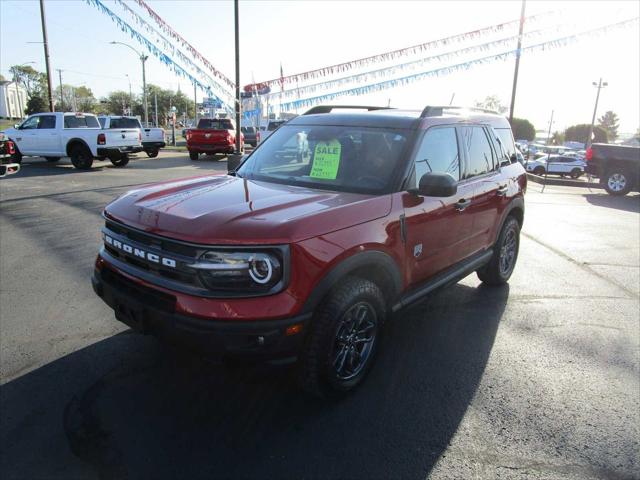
(617, 182)
(121, 161)
(81, 157)
(193, 155)
(505, 255)
(576, 173)
(538, 171)
(52, 159)
(344, 337)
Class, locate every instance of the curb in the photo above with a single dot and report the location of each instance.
(561, 182)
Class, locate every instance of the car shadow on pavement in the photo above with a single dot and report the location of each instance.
(628, 203)
(130, 407)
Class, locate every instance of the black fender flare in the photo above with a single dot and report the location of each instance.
(369, 258)
(73, 141)
(516, 203)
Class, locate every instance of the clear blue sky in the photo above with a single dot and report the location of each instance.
(306, 35)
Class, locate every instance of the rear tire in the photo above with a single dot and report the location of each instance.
(152, 153)
(120, 162)
(193, 155)
(343, 338)
(52, 159)
(81, 157)
(505, 255)
(617, 182)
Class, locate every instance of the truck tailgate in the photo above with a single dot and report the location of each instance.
(153, 135)
(206, 136)
(126, 137)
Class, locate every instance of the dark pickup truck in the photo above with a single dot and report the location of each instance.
(213, 135)
(617, 167)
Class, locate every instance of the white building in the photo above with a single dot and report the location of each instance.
(13, 100)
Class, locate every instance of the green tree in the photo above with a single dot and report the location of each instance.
(36, 104)
(117, 103)
(580, 133)
(610, 122)
(34, 81)
(75, 99)
(523, 129)
(492, 102)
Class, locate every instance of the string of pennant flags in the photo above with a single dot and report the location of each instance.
(164, 43)
(406, 80)
(156, 52)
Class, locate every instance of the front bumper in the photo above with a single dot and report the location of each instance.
(150, 311)
(108, 151)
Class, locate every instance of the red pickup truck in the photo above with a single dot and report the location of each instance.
(213, 135)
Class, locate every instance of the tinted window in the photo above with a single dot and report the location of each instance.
(216, 123)
(73, 121)
(507, 144)
(480, 154)
(124, 123)
(273, 125)
(438, 153)
(30, 123)
(47, 122)
(352, 159)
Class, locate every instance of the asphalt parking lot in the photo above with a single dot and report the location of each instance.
(540, 379)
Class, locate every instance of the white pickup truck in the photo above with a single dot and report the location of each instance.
(75, 135)
(152, 138)
(264, 132)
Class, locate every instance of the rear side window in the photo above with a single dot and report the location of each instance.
(507, 144)
(88, 121)
(47, 122)
(124, 123)
(273, 126)
(438, 153)
(479, 151)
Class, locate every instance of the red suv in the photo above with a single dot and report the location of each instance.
(338, 219)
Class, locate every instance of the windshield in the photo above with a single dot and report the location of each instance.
(353, 159)
(216, 123)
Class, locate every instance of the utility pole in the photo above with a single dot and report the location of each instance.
(600, 85)
(155, 101)
(549, 134)
(61, 92)
(195, 105)
(515, 73)
(143, 59)
(238, 105)
(46, 56)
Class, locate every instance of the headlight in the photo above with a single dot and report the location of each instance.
(239, 271)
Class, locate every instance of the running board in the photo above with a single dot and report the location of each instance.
(452, 275)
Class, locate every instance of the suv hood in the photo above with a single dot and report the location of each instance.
(229, 210)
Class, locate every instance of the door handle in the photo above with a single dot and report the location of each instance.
(462, 204)
(502, 190)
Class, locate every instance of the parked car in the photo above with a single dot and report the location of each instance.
(305, 261)
(7, 148)
(213, 135)
(617, 167)
(271, 127)
(75, 135)
(250, 135)
(152, 137)
(557, 165)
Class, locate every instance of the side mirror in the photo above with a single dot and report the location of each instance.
(436, 185)
(9, 169)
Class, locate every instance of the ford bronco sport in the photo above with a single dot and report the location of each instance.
(305, 256)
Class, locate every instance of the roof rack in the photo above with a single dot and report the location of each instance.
(438, 111)
(329, 108)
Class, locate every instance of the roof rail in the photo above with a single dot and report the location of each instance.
(329, 108)
(437, 111)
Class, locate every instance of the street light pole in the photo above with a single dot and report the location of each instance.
(238, 134)
(549, 134)
(46, 56)
(600, 85)
(143, 59)
(130, 95)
